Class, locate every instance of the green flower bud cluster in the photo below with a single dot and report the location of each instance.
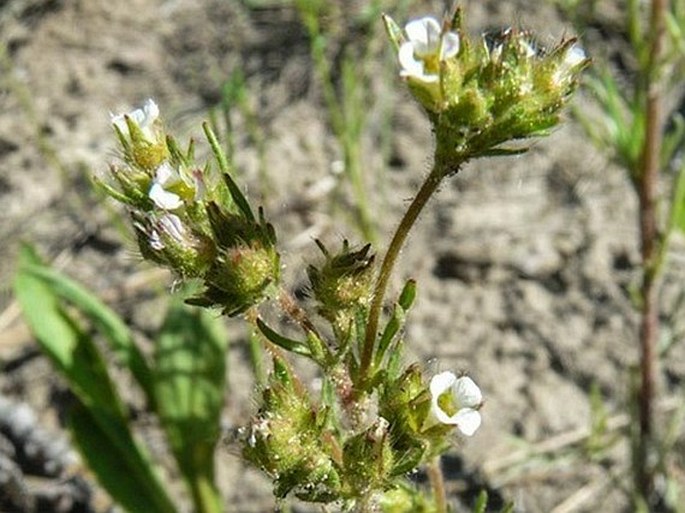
(481, 93)
(342, 285)
(192, 219)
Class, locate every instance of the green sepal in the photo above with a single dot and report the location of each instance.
(236, 194)
(395, 33)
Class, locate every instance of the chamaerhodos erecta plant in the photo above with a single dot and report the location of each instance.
(376, 417)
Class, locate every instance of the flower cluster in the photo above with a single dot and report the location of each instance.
(191, 218)
(295, 443)
(481, 94)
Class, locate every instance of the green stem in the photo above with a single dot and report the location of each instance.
(205, 495)
(437, 482)
(429, 186)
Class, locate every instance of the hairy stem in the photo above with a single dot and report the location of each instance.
(438, 484)
(649, 239)
(429, 186)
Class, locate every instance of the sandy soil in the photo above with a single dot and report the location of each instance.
(524, 264)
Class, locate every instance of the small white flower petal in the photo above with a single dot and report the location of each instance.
(150, 112)
(442, 382)
(467, 393)
(165, 174)
(450, 45)
(156, 241)
(164, 199)
(411, 66)
(467, 420)
(144, 118)
(424, 34)
(173, 226)
(574, 56)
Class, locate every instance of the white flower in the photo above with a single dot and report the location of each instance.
(164, 177)
(426, 47)
(144, 118)
(455, 401)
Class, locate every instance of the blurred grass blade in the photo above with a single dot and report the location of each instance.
(105, 320)
(120, 467)
(190, 375)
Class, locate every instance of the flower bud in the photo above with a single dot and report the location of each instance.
(286, 440)
(343, 283)
(140, 136)
(168, 241)
(368, 459)
(246, 264)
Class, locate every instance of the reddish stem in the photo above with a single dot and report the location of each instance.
(649, 237)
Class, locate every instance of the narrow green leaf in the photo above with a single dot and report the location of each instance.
(105, 320)
(101, 411)
(119, 465)
(391, 329)
(677, 213)
(190, 376)
(286, 343)
(408, 295)
(396, 320)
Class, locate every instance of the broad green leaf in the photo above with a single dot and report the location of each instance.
(120, 467)
(105, 320)
(190, 376)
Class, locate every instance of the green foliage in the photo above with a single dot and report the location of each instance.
(190, 375)
(184, 387)
(100, 423)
